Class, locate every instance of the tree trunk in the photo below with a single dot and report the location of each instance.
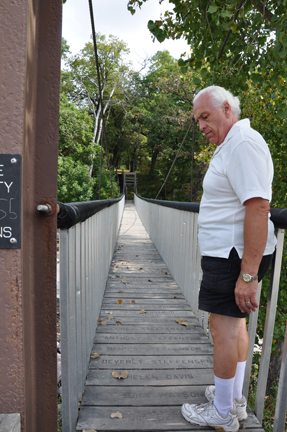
(153, 160)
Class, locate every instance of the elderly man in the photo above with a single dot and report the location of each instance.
(236, 239)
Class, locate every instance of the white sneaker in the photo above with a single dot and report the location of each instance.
(240, 404)
(207, 415)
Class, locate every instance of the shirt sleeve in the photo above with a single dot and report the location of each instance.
(250, 172)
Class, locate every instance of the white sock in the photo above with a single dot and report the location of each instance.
(223, 400)
(239, 379)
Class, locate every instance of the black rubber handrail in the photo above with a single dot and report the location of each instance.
(72, 213)
(278, 215)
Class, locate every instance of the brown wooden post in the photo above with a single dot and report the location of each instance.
(30, 34)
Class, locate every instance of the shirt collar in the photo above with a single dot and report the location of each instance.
(244, 123)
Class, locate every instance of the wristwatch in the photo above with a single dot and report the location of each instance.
(247, 277)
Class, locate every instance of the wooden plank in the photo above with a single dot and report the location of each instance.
(142, 319)
(137, 419)
(146, 280)
(191, 338)
(134, 419)
(139, 295)
(152, 362)
(139, 263)
(169, 377)
(141, 271)
(150, 329)
(148, 301)
(135, 313)
(142, 396)
(154, 349)
(148, 307)
(147, 289)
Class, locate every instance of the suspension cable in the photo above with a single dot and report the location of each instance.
(100, 90)
(183, 141)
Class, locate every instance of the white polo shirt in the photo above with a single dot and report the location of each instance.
(241, 168)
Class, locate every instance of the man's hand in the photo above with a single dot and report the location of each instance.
(245, 295)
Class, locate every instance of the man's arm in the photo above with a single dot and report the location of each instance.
(255, 238)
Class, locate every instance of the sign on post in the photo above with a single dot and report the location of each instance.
(10, 201)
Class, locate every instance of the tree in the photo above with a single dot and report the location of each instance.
(230, 41)
(162, 114)
(113, 77)
(75, 148)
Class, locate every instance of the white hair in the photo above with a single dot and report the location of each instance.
(219, 96)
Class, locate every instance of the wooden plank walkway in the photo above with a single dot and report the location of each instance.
(167, 363)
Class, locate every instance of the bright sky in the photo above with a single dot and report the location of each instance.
(112, 17)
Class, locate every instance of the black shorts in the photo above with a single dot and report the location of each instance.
(217, 287)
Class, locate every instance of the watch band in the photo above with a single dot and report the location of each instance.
(247, 277)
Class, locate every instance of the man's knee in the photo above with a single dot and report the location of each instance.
(225, 329)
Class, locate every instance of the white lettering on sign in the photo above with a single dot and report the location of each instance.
(7, 186)
(5, 232)
(1, 175)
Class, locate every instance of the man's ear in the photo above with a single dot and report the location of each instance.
(226, 108)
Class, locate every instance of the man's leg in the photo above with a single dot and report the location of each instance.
(231, 343)
(243, 345)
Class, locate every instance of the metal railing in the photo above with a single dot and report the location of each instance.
(172, 226)
(86, 251)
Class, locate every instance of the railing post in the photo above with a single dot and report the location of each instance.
(269, 326)
(281, 404)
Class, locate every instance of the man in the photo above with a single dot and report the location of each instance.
(236, 240)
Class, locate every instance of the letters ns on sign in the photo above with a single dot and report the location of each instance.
(10, 201)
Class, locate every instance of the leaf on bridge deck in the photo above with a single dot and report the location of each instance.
(133, 302)
(175, 297)
(90, 430)
(95, 356)
(100, 319)
(118, 323)
(124, 282)
(150, 280)
(117, 415)
(141, 268)
(117, 276)
(120, 374)
(120, 301)
(104, 322)
(120, 291)
(142, 311)
(111, 317)
(182, 321)
(109, 312)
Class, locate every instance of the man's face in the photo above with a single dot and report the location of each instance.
(214, 122)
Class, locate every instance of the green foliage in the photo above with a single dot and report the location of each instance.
(270, 398)
(75, 132)
(162, 113)
(233, 38)
(74, 182)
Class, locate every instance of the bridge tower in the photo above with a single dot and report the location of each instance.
(30, 52)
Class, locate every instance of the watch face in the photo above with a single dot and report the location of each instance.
(246, 277)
